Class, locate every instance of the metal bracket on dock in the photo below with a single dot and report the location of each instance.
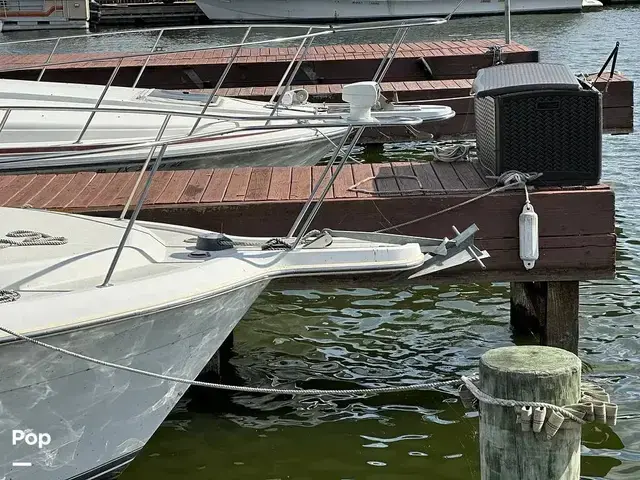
(309, 72)
(194, 77)
(496, 52)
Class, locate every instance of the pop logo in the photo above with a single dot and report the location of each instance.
(30, 438)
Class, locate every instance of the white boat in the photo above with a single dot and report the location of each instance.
(155, 298)
(337, 10)
(34, 139)
(65, 127)
(170, 306)
(215, 142)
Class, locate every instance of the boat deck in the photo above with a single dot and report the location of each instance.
(577, 235)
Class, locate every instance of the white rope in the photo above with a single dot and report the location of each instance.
(486, 398)
(452, 153)
(594, 400)
(399, 388)
(506, 181)
(7, 296)
(30, 238)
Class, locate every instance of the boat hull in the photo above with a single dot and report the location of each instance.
(325, 10)
(47, 140)
(98, 418)
(176, 158)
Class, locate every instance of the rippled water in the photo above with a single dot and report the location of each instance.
(353, 338)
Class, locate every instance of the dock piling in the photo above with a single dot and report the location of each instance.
(532, 374)
(549, 309)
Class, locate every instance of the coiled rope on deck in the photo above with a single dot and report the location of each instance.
(7, 296)
(30, 238)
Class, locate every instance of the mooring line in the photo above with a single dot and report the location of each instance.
(196, 383)
(594, 404)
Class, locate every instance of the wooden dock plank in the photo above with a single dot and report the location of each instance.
(136, 196)
(49, 192)
(196, 187)
(217, 187)
(447, 176)
(66, 195)
(238, 185)
(329, 63)
(280, 186)
(300, 183)
(406, 178)
(316, 172)
(258, 189)
(86, 196)
(385, 181)
(482, 173)
(343, 181)
(427, 176)
(175, 187)
(574, 245)
(109, 192)
(160, 182)
(127, 180)
(14, 187)
(25, 194)
(363, 179)
(6, 180)
(469, 176)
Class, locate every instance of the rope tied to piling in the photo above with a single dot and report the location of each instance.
(594, 405)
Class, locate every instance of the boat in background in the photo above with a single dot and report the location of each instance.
(350, 10)
(43, 14)
(78, 291)
(214, 139)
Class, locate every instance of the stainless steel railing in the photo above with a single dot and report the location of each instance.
(354, 128)
(287, 78)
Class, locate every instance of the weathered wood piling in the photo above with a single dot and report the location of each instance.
(532, 374)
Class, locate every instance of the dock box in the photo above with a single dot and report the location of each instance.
(538, 117)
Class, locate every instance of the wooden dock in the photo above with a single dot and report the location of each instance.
(573, 245)
(255, 67)
(577, 230)
(447, 81)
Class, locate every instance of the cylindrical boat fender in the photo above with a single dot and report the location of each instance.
(528, 228)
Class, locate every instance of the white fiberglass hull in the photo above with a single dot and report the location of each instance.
(331, 10)
(99, 418)
(36, 133)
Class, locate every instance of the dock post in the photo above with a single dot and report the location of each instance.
(218, 365)
(534, 374)
(507, 21)
(549, 309)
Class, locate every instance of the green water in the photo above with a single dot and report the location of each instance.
(381, 337)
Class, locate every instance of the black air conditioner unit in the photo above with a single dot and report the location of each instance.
(538, 117)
